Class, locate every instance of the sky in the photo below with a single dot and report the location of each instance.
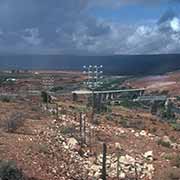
(90, 27)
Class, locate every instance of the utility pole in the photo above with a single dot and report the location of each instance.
(47, 85)
(104, 161)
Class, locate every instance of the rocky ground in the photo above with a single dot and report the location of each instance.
(49, 147)
(43, 149)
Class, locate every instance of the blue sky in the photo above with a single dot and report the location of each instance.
(90, 26)
(133, 13)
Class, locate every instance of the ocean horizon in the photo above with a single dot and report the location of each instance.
(116, 65)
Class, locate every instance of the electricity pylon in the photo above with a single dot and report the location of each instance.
(93, 82)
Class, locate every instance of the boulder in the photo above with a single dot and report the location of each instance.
(72, 143)
(166, 139)
(118, 146)
(148, 155)
(128, 160)
(143, 133)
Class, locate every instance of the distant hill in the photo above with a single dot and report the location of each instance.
(119, 65)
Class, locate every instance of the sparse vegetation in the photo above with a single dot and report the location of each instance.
(130, 104)
(176, 126)
(68, 130)
(43, 148)
(58, 88)
(45, 97)
(13, 122)
(167, 114)
(164, 144)
(172, 174)
(5, 99)
(51, 148)
(176, 161)
(9, 171)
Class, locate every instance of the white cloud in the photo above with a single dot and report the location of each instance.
(175, 24)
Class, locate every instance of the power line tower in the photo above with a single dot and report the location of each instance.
(47, 83)
(94, 81)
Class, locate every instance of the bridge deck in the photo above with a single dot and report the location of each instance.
(151, 98)
(84, 92)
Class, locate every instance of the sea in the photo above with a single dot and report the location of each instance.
(115, 64)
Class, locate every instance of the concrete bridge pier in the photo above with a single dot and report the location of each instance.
(75, 97)
(141, 93)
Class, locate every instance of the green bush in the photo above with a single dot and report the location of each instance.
(58, 88)
(164, 144)
(130, 104)
(45, 97)
(176, 161)
(68, 130)
(5, 99)
(176, 126)
(43, 148)
(13, 122)
(125, 123)
(9, 171)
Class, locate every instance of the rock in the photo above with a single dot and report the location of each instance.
(65, 145)
(122, 175)
(148, 170)
(72, 143)
(178, 146)
(166, 139)
(174, 146)
(97, 174)
(143, 133)
(118, 146)
(127, 160)
(54, 171)
(148, 155)
(95, 170)
(132, 131)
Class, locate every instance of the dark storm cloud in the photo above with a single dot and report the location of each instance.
(23, 13)
(56, 22)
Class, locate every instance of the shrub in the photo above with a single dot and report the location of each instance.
(176, 126)
(109, 117)
(130, 104)
(164, 144)
(13, 122)
(5, 99)
(58, 88)
(176, 161)
(136, 124)
(46, 97)
(125, 123)
(43, 148)
(168, 157)
(153, 130)
(174, 174)
(68, 130)
(9, 171)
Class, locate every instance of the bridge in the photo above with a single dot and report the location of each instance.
(151, 98)
(105, 94)
(86, 92)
